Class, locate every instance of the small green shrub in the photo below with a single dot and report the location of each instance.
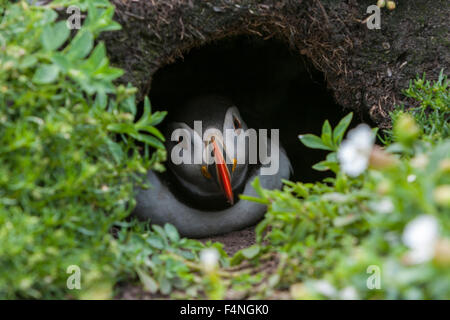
(68, 152)
(433, 112)
(394, 217)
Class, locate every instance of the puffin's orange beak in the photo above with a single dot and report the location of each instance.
(223, 173)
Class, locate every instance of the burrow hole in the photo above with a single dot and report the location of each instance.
(273, 87)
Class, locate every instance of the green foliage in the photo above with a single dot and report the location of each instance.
(164, 262)
(337, 231)
(433, 111)
(433, 95)
(68, 153)
(329, 140)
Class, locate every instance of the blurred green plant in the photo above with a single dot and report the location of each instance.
(330, 141)
(69, 153)
(433, 111)
(394, 217)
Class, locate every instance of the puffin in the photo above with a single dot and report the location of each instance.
(200, 195)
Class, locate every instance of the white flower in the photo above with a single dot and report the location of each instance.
(349, 293)
(325, 288)
(354, 152)
(411, 178)
(420, 235)
(335, 197)
(209, 259)
(420, 161)
(384, 206)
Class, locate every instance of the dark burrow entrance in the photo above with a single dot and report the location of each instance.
(272, 86)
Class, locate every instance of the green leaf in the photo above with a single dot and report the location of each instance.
(127, 128)
(107, 73)
(332, 157)
(101, 100)
(148, 282)
(150, 140)
(147, 107)
(116, 150)
(251, 252)
(165, 285)
(339, 131)
(81, 45)
(144, 120)
(157, 117)
(97, 59)
(61, 61)
(171, 232)
(93, 14)
(253, 199)
(28, 62)
(159, 230)
(153, 131)
(100, 20)
(54, 36)
(260, 229)
(48, 17)
(155, 243)
(106, 23)
(247, 253)
(150, 119)
(326, 165)
(257, 186)
(45, 74)
(327, 134)
(129, 104)
(313, 142)
(321, 166)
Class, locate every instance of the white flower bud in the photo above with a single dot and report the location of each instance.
(420, 235)
(209, 259)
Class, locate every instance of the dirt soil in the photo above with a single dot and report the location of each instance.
(234, 241)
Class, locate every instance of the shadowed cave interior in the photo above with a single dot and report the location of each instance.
(272, 86)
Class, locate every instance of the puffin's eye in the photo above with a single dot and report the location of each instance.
(236, 123)
(211, 141)
(205, 172)
(180, 139)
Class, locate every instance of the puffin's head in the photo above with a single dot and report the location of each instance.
(209, 162)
